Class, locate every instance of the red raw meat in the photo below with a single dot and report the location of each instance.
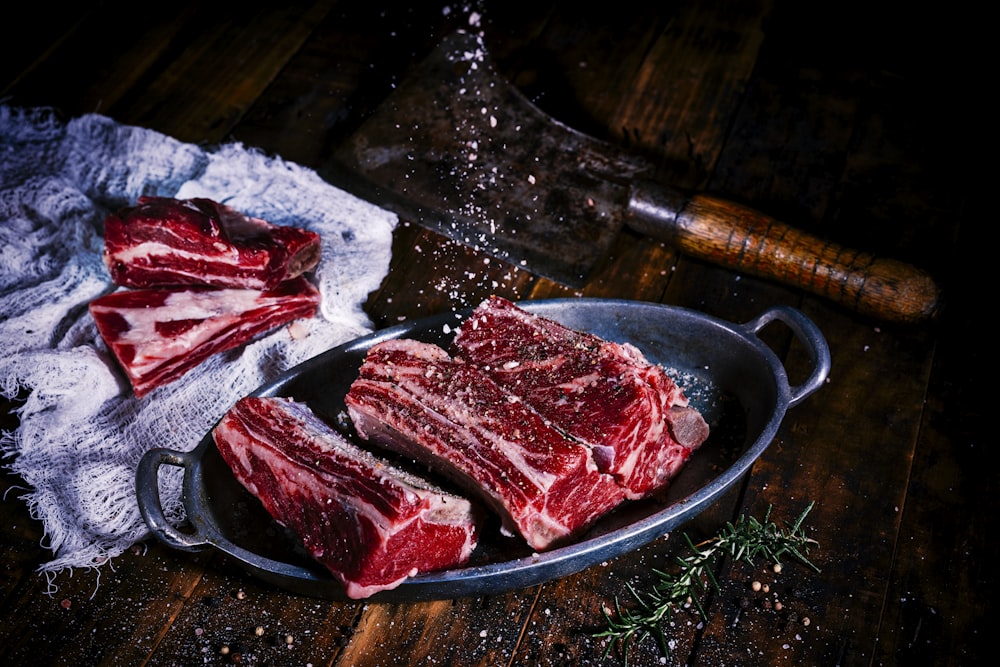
(158, 335)
(371, 524)
(162, 241)
(604, 394)
(413, 398)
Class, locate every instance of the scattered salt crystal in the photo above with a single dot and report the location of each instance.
(298, 330)
(482, 633)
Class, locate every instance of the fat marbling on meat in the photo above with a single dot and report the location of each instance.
(372, 524)
(632, 415)
(163, 241)
(414, 399)
(159, 334)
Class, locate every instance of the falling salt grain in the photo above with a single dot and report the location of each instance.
(531, 179)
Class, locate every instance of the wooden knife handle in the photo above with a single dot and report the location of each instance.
(749, 241)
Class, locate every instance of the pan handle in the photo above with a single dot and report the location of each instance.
(148, 493)
(810, 336)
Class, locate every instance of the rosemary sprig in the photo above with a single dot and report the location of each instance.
(747, 540)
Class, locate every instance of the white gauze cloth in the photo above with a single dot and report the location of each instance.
(81, 431)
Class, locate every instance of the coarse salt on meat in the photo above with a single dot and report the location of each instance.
(606, 395)
(414, 399)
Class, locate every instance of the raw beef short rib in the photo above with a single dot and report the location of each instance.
(371, 524)
(158, 335)
(414, 399)
(607, 395)
(162, 241)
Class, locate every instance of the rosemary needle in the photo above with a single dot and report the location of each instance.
(747, 540)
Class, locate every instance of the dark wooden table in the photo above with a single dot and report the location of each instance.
(852, 120)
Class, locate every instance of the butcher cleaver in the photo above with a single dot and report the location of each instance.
(458, 149)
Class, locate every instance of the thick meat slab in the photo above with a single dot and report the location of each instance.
(158, 335)
(413, 398)
(371, 524)
(607, 395)
(162, 241)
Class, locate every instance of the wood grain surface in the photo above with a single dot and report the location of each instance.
(854, 121)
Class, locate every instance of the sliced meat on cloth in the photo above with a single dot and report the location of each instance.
(160, 334)
(81, 431)
(162, 241)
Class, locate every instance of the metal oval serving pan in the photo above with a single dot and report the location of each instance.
(726, 370)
